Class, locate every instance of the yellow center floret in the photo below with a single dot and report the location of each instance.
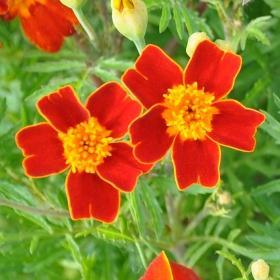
(189, 112)
(86, 146)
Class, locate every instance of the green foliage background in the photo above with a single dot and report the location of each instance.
(37, 238)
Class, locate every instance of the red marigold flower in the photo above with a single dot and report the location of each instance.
(162, 269)
(88, 140)
(44, 22)
(186, 111)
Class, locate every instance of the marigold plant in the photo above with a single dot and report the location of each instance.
(139, 139)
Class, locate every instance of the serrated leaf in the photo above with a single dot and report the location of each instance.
(178, 21)
(3, 107)
(33, 244)
(203, 248)
(236, 262)
(55, 66)
(165, 18)
(154, 208)
(267, 189)
(114, 63)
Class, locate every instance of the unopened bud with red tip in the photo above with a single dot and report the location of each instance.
(130, 17)
(194, 40)
(72, 4)
(260, 270)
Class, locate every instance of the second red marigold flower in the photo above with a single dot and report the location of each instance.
(186, 112)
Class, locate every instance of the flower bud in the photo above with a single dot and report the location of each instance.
(224, 45)
(194, 41)
(130, 17)
(260, 270)
(224, 198)
(72, 4)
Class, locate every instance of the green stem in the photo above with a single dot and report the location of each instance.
(140, 44)
(36, 191)
(141, 254)
(86, 26)
(196, 221)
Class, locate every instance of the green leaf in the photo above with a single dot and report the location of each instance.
(165, 18)
(55, 66)
(267, 189)
(3, 107)
(236, 262)
(178, 21)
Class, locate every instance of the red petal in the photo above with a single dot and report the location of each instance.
(196, 162)
(182, 273)
(42, 149)
(91, 197)
(42, 30)
(3, 7)
(62, 11)
(155, 72)
(63, 109)
(121, 169)
(113, 108)
(159, 269)
(150, 137)
(235, 125)
(213, 69)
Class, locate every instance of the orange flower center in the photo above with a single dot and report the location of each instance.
(86, 146)
(21, 7)
(189, 112)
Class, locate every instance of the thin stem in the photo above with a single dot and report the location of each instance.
(86, 26)
(141, 254)
(223, 242)
(140, 44)
(33, 210)
(197, 220)
(36, 191)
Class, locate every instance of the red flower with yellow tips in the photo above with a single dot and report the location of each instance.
(187, 111)
(88, 140)
(44, 22)
(162, 269)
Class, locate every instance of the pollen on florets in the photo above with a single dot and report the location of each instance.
(189, 112)
(86, 146)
